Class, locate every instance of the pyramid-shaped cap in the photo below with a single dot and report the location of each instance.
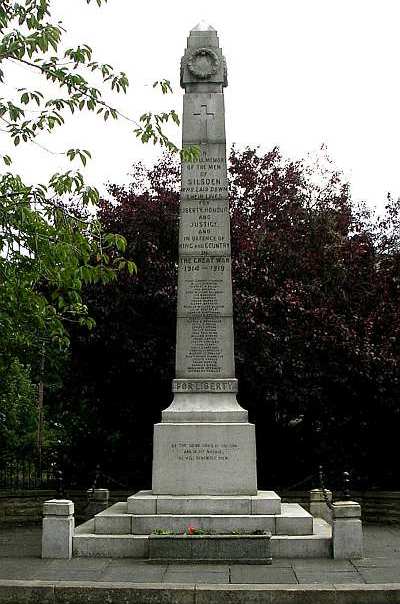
(203, 26)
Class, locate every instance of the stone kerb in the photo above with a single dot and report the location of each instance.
(58, 529)
(347, 535)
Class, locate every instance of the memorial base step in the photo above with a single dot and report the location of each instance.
(251, 549)
(293, 520)
(145, 502)
(87, 544)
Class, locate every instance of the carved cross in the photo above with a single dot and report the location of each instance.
(204, 115)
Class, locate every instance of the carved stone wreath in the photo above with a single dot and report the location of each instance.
(203, 63)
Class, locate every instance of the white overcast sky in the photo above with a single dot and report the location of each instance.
(300, 72)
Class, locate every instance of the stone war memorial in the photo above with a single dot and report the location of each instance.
(204, 504)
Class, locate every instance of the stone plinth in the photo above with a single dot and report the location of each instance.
(58, 528)
(347, 535)
(204, 459)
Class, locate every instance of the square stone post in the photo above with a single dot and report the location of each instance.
(98, 501)
(318, 504)
(58, 528)
(347, 535)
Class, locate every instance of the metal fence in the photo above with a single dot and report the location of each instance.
(26, 474)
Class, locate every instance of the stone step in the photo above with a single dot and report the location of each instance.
(144, 502)
(114, 520)
(90, 545)
(110, 546)
(317, 545)
(293, 520)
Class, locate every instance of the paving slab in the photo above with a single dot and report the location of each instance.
(66, 574)
(192, 575)
(377, 562)
(243, 573)
(125, 570)
(380, 575)
(20, 541)
(15, 568)
(97, 564)
(311, 564)
(207, 568)
(324, 576)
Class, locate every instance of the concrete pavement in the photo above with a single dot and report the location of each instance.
(374, 579)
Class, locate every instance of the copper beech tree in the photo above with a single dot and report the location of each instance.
(317, 321)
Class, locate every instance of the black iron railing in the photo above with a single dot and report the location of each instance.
(24, 473)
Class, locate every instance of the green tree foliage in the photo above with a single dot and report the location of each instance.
(18, 410)
(51, 242)
(317, 324)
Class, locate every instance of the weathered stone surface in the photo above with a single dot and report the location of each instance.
(145, 502)
(204, 118)
(347, 538)
(57, 537)
(210, 547)
(123, 593)
(265, 594)
(99, 495)
(215, 523)
(204, 505)
(110, 546)
(294, 520)
(266, 502)
(113, 521)
(204, 459)
(58, 507)
(346, 509)
(205, 388)
(318, 504)
(317, 545)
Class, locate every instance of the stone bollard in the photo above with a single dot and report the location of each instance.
(347, 535)
(318, 506)
(58, 528)
(98, 501)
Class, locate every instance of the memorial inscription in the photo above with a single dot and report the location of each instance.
(200, 451)
(205, 178)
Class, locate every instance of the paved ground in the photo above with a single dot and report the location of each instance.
(20, 560)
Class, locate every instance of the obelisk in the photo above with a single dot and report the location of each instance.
(204, 444)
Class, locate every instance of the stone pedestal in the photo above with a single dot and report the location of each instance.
(58, 528)
(347, 532)
(204, 459)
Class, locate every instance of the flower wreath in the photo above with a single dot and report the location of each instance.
(199, 72)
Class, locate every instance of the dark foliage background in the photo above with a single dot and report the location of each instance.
(316, 284)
